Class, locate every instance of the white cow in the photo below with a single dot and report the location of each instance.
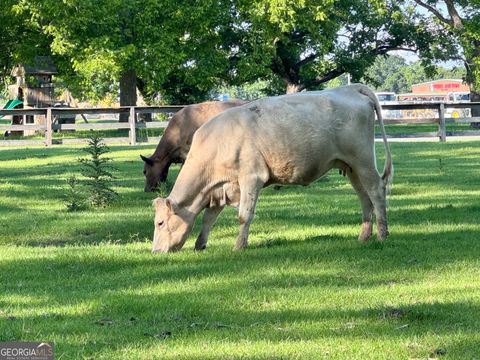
(290, 139)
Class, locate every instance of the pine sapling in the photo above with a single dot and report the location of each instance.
(74, 198)
(97, 171)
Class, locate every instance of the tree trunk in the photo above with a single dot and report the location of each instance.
(471, 79)
(145, 97)
(128, 91)
(475, 97)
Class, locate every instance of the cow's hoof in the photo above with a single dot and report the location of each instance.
(382, 230)
(382, 236)
(364, 237)
(200, 247)
(365, 232)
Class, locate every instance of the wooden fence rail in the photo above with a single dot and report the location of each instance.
(441, 120)
(51, 113)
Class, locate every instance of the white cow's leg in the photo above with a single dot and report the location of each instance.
(375, 187)
(367, 206)
(209, 217)
(249, 190)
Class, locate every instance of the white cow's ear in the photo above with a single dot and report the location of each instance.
(157, 202)
(171, 205)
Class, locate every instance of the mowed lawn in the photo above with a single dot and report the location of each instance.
(304, 289)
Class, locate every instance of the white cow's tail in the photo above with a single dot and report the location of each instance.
(388, 168)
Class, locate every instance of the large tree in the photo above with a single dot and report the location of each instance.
(460, 21)
(134, 43)
(304, 44)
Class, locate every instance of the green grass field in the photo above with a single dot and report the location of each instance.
(304, 289)
(82, 134)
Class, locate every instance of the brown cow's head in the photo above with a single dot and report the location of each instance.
(155, 171)
(172, 226)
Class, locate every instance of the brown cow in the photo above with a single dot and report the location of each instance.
(290, 139)
(177, 138)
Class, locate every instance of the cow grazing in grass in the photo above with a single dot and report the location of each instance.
(177, 138)
(290, 139)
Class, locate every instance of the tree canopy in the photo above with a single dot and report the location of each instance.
(392, 73)
(303, 44)
(19, 41)
(182, 49)
(459, 24)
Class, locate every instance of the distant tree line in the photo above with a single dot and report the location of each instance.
(180, 50)
(393, 74)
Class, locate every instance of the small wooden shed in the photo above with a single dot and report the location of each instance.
(34, 87)
(34, 82)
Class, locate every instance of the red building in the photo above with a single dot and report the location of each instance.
(441, 86)
(435, 90)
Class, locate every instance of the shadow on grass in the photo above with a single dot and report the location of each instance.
(18, 153)
(221, 295)
(214, 310)
(93, 227)
(355, 258)
(119, 286)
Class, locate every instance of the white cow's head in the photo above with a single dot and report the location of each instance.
(172, 226)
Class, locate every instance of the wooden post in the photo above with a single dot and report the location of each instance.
(48, 123)
(131, 120)
(442, 131)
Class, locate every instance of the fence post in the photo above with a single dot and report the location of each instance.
(442, 131)
(131, 120)
(48, 123)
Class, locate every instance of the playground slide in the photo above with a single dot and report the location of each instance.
(11, 104)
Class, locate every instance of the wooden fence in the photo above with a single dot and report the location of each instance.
(133, 124)
(57, 113)
(441, 120)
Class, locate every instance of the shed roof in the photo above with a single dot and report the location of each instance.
(42, 65)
